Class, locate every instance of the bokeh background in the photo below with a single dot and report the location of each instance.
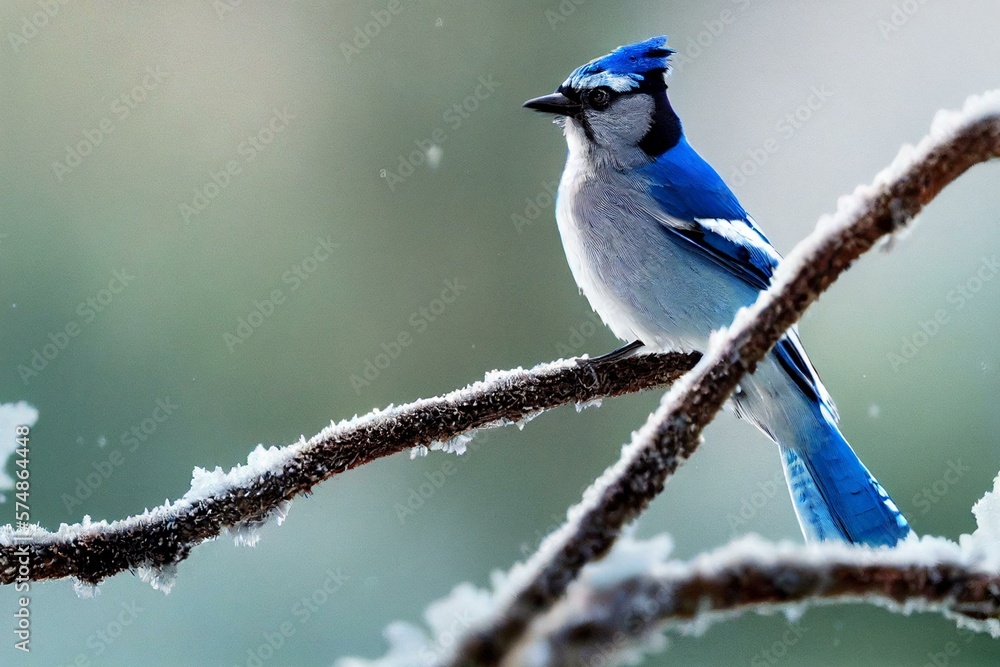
(214, 77)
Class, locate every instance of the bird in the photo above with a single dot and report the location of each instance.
(666, 254)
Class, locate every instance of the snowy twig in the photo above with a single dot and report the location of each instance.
(601, 620)
(957, 141)
(619, 607)
(238, 501)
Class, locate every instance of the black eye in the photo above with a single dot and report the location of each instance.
(599, 98)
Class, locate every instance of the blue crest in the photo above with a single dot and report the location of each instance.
(624, 68)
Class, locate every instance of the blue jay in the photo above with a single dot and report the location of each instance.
(666, 254)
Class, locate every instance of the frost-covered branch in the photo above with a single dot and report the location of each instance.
(239, 501)
(619, 606)
(608, 616)
(957, 141)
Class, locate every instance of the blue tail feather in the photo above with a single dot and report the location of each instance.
(835, 496)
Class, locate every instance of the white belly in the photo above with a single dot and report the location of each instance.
(640, 282)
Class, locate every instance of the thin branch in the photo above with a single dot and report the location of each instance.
(598, 620)
(249, 495)
(672, 433)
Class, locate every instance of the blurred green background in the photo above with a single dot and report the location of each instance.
(265, 102)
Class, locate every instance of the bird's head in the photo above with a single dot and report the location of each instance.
(615, 109)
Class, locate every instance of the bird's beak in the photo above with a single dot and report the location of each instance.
(556, 103)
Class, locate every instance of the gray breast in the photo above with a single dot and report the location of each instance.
(638, 279)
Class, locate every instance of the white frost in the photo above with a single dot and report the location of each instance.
(205, 483)
(628, 558)
(248, 534)
(467, 606)
(84, 590)
(160, 578)
(985, 542)
(446, 621)
(12, 415)
(261, 461)
(457, 445)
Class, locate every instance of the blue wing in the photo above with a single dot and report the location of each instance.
(746, 262)
(689, 188)
(702, 213)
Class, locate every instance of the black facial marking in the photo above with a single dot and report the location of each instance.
(586, 128)
(665, 131)
(581, 117)
(569, 92)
